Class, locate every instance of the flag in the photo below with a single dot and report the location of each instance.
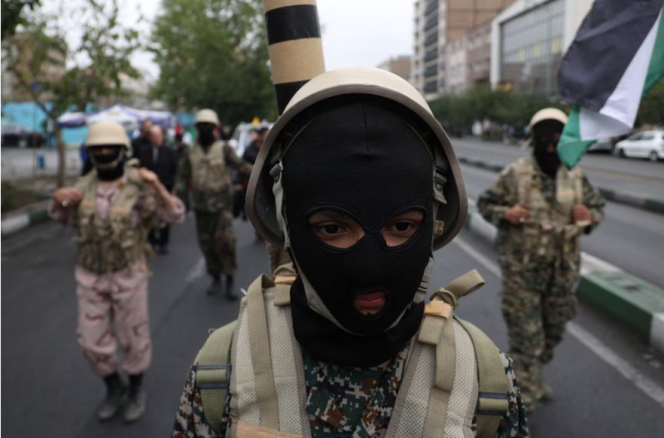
(616, 57)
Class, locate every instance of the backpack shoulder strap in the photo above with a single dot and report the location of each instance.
(213, 373)
(493, 401)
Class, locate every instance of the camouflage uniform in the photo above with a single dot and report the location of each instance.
(343, 402)
(538, 286)
(212, 202)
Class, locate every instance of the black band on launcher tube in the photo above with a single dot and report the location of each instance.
(292, 23)
(285, 92)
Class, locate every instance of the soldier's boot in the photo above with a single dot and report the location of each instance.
(215, 286)
(136, 399)
(115, 392)
(230, 293)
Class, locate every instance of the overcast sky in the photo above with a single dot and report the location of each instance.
(356, 32)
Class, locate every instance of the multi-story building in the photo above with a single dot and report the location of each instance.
(456, 66)
(529, 40)
(438, 23)
(478, 56)
(399, 65)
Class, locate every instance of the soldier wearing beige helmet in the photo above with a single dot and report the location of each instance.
(541, 210)
(207, 164)
(114, 207)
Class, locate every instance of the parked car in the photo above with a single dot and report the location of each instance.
(602, 145)
(15, 135)
(646, 144)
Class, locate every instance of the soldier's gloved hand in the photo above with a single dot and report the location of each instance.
(581, 213)
(67, 197)
(516, 214)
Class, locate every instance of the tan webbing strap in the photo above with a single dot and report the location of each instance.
(213, 373)
(439, 398)
(462, 286)
(493, 401)
(259, 341)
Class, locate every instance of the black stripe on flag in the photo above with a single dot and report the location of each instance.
(603, 48)
(285, 92)
(292, 23)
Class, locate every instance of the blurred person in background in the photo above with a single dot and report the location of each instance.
(114, 207)
(207, 164)
(541, 210)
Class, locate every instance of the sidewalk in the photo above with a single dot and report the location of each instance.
(634, 302)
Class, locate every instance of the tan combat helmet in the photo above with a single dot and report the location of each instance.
(207, 116)
(540, 116)
(450, 202)
(107, 134)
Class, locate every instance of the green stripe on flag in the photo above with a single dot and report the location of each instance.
(656, 67)
(570, 147)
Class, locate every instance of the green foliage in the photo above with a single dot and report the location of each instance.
(651, 111)
(12, 15)
(213, 54)
(457, 113)
(73, 76)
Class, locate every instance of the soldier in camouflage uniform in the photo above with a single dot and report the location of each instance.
(114, 209)
(206, 164)
(541, 209)
(358, 181)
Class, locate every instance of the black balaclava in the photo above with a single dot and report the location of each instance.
(109, 166)
(205, 134)
(366, 161)
(545, 134)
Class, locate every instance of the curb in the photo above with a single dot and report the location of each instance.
(25, 217)
(626, 198)
(628, 299)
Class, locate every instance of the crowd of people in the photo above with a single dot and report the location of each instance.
(353, 194)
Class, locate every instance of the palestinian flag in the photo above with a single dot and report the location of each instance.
(615, 59)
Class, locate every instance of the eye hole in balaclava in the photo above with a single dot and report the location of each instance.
(358, 204)
(340, 230)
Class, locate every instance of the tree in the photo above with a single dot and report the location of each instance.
(12, 15)
(213, 54)
(61, 77)
(651, 111)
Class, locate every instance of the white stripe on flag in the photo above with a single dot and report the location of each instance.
(619, 112)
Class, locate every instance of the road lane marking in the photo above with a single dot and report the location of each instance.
(643, 383)
(196, 271)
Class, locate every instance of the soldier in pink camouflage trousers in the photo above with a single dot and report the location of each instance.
(114, 209)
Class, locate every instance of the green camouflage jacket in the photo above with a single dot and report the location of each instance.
(493, 203)
(210, 202)
(344, 402)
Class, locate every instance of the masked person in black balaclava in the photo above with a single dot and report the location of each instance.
(206, 165)
(358, 181)
(541, 209)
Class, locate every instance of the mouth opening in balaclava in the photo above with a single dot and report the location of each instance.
(546, 135)
(109, 166)
(364, 161)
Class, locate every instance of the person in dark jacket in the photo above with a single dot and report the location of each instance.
(163, 161)
(142, 143)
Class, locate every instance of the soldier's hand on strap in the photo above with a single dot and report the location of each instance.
(516, 214)
(581, 213)
(67, 197)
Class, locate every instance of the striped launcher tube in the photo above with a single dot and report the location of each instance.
(295, 46)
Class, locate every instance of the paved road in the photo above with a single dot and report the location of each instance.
(629, 238)
(633, 176)
(604, 386)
